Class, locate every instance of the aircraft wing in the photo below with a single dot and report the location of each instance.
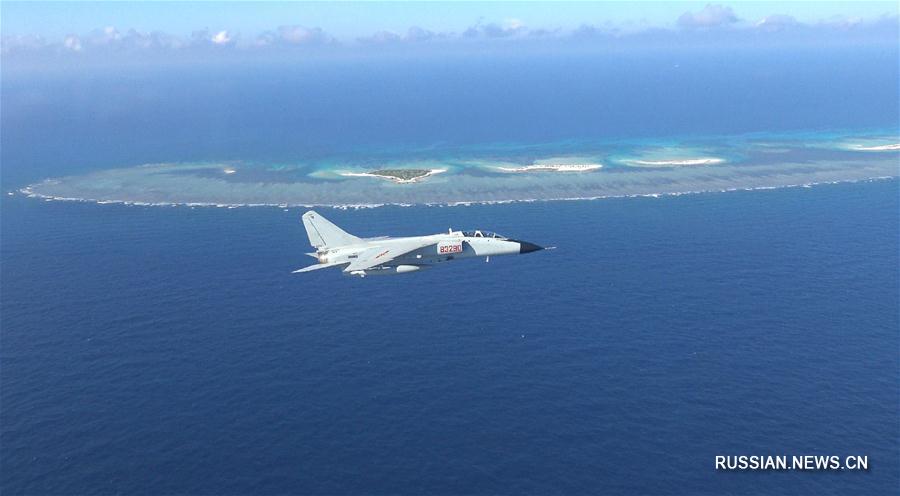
(381, 255)
(317, 267)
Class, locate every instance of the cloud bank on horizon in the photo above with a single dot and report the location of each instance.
(711, 23)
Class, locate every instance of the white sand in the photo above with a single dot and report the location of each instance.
(676, 162)
(877, 148)
(552, 168)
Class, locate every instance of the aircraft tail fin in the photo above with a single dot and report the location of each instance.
(324, 234)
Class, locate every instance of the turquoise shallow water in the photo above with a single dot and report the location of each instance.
(498, 172)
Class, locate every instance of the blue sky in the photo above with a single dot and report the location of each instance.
(354, 19)
(57, 28)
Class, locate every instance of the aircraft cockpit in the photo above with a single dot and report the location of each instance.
(482, 234)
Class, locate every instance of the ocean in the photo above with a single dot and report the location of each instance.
(153, 350)
(169, 350)
(74, 118)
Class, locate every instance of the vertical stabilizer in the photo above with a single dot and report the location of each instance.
(323, 234)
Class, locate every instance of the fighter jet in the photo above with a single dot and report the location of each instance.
(387, 256)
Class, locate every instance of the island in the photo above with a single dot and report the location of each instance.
(676, 162)
(877, 148)
(552, 168)
(564, 170)
(397, 175)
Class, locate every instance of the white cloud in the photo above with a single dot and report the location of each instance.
(843, 22)
(72, 43)
(513, 24)
(221, 38)
(711, 16)
(111, 34)
(509, 28)
(776, 22)
(413, 35)
(294, 36)
(25, 43)
(696, 27)
(381, 37)
(205, 38)
(298, 35)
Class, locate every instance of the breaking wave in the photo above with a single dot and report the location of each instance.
(464, 203)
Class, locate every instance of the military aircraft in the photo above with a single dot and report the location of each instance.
(386, 256)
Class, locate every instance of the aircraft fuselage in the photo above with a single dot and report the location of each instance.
(444, 248)
(382, 256)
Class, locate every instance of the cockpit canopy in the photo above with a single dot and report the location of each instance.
(482, 234)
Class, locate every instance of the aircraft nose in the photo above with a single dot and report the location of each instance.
(526, 247)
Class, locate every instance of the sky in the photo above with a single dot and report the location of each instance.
(80, 27)
(356, 19)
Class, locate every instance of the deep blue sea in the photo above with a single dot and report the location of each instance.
(70, 119)
(153, 350)
(169, 350)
